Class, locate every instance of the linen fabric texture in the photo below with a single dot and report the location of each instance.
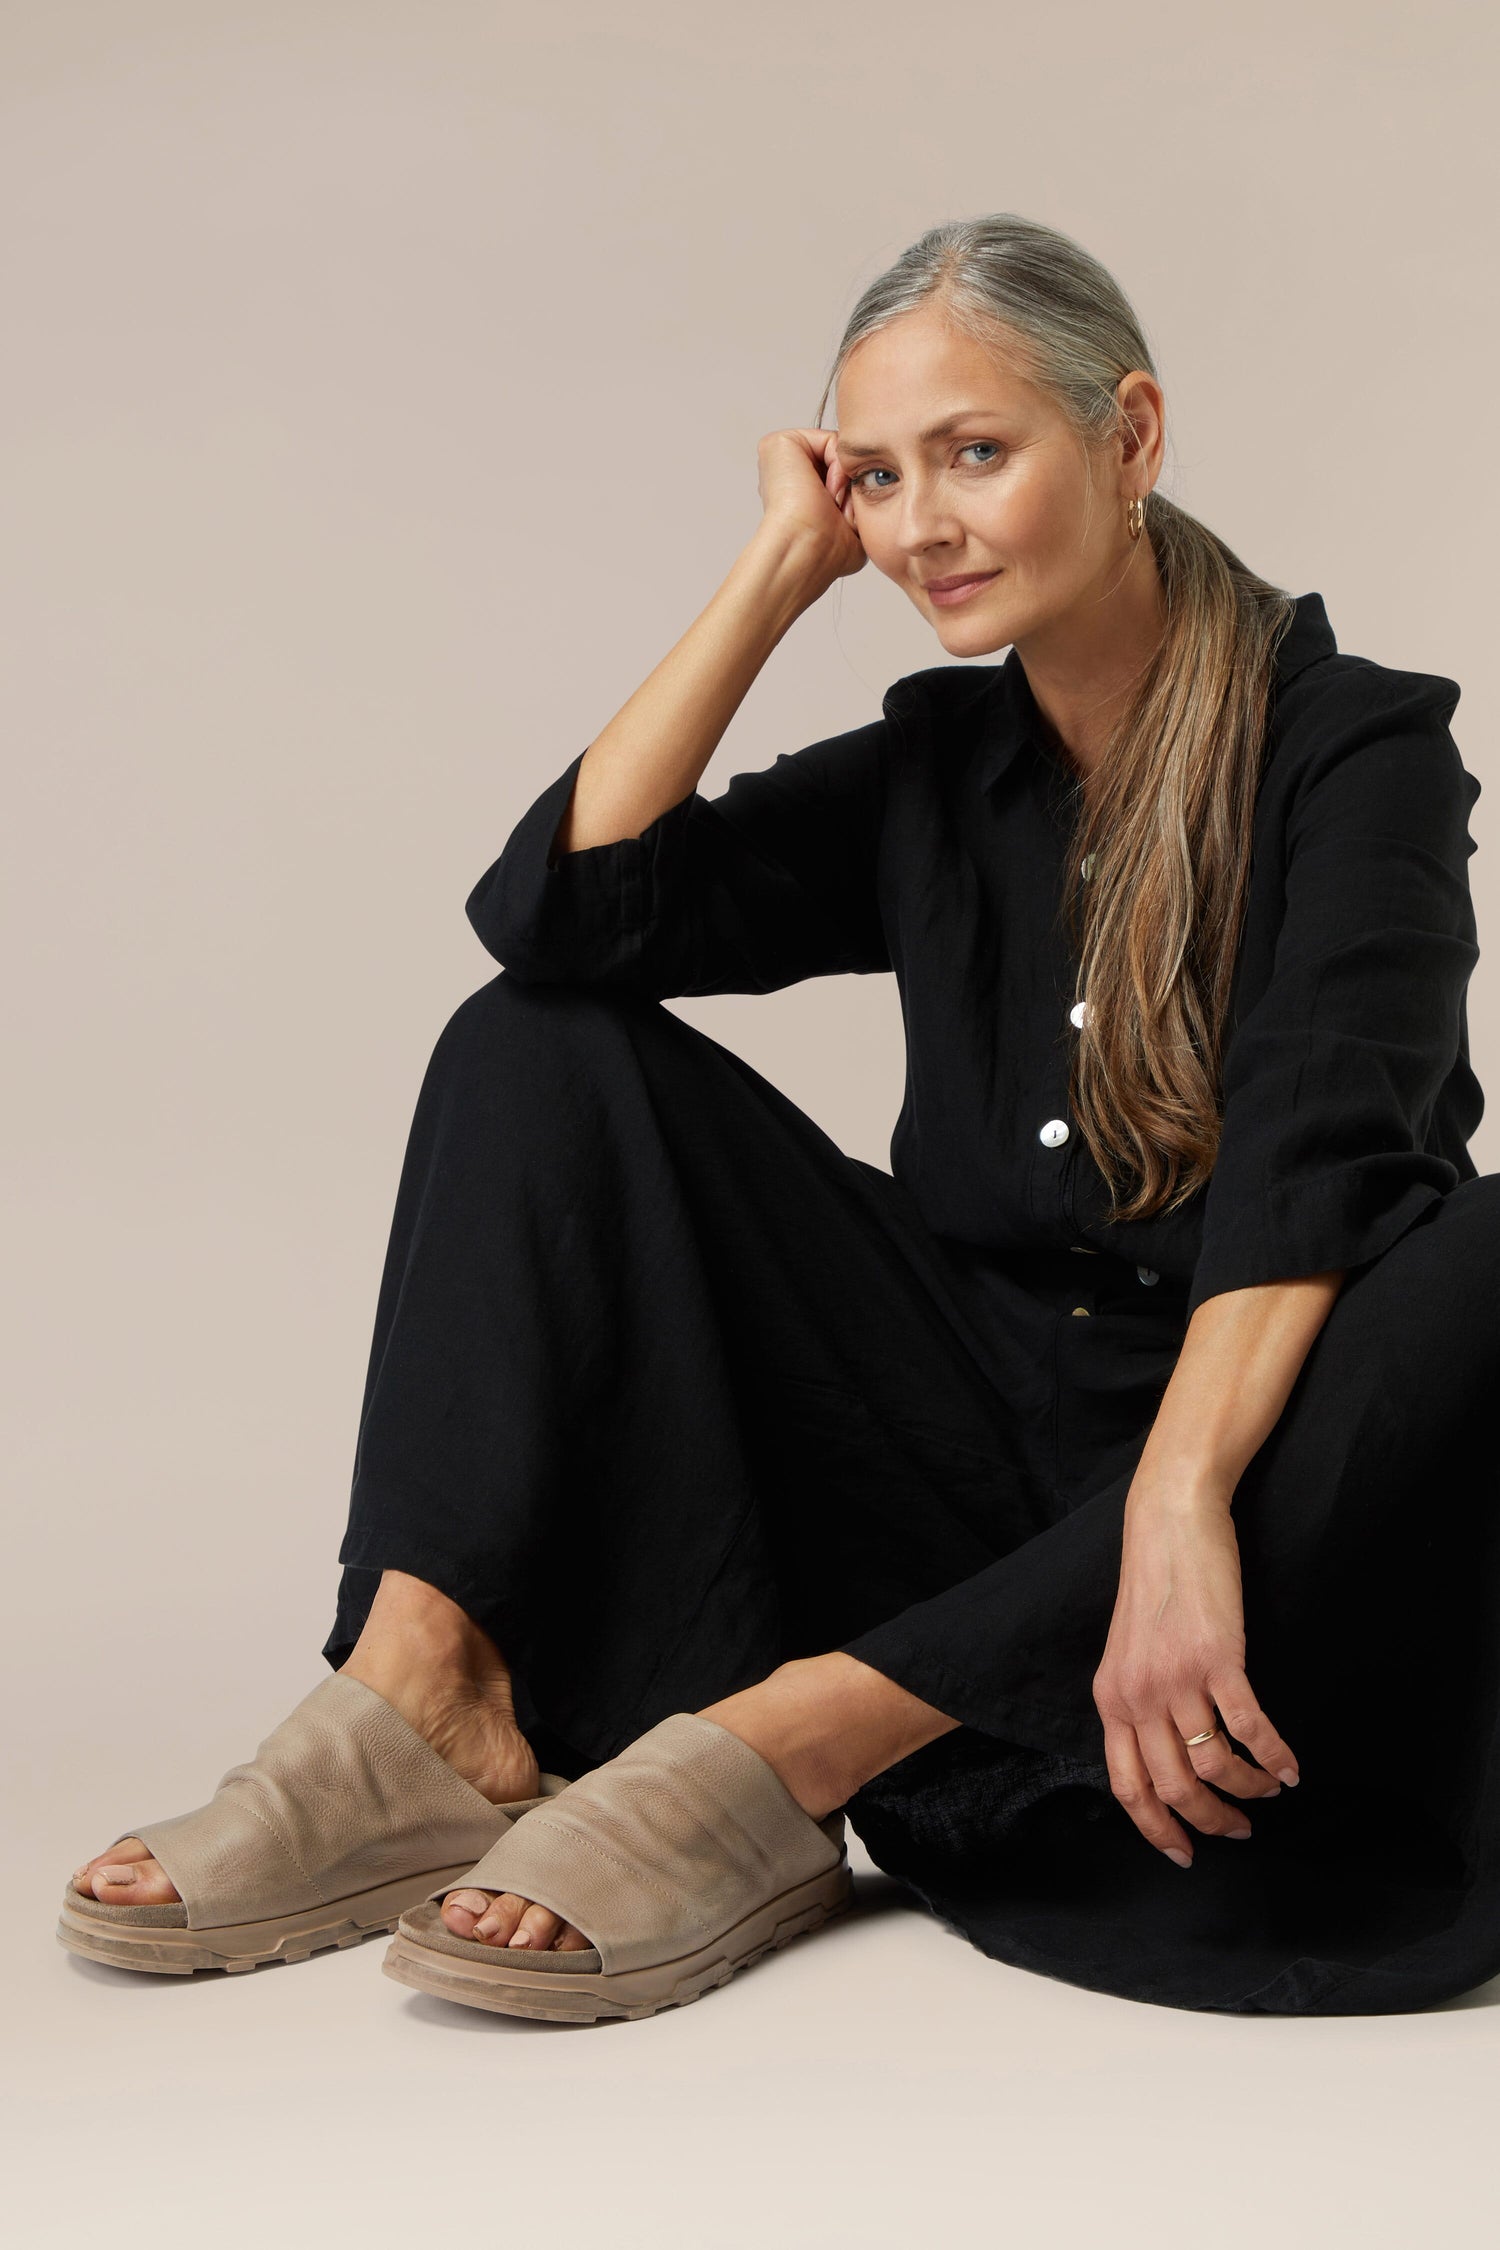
(926, 844)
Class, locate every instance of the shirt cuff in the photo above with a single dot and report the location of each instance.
(1340, 1220)
(581, 919)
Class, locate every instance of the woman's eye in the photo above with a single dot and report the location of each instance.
(858, 483)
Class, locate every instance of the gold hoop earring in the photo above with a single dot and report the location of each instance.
(1135, 517)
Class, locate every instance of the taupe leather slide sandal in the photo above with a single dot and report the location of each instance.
(680, 1860)
(344, 1816)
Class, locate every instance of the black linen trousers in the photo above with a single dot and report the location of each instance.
(665, 1388)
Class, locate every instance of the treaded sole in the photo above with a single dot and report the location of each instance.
(629, 1994)
(238, 1946)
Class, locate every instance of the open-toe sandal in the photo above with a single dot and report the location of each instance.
(344, 1817)
(680, 1860)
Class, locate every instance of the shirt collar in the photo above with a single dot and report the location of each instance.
(1014, 717)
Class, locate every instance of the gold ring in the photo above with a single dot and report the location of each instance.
(1206, 1736)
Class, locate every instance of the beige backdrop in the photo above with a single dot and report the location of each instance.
(378, 401)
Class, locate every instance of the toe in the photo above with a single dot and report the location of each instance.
(128, 1850)
(134, 1883)
(537, 1928)
(125, 1875)
(498, 1922)
(462, 1909)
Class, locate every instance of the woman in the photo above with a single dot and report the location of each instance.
(1041, 1505)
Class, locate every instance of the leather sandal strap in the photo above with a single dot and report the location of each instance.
(663, 1848)
(341, 1796)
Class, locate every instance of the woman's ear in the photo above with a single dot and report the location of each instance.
(1143, 419)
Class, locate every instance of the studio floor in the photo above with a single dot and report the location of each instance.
(878, 2084)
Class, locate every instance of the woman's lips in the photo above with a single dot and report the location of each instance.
(947, 591)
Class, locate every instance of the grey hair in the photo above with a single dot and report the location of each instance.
(1166, 812)
(1071, 328)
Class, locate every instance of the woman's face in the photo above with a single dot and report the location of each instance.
(1000, 489)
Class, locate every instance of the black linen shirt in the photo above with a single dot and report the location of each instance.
(930, 844)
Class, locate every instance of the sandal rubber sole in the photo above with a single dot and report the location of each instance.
(519, 1982)
(101, 1933)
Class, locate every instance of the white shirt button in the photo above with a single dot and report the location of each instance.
(1053, 1133)
(1148, 1274)
(1077, 1013)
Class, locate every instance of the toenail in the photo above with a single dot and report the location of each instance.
(118, 1874)
(522, 1937)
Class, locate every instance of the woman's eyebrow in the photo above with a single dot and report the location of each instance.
(851, 451)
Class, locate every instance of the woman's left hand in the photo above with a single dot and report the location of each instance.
(1176, 1650)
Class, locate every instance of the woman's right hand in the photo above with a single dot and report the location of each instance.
(804, 491)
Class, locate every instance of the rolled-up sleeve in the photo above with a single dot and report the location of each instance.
(770, 882)
(1331, 1076)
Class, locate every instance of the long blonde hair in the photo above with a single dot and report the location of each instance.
(1165, 820)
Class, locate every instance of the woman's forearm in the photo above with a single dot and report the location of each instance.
(1241, 1355)
(653, 752)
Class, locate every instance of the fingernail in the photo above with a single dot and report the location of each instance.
(1182, 1859)
(1276, 1792)
(522, 1937)
(1239, 1834)
(1286, 1774)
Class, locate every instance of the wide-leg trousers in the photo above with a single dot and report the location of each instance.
(665, 1388)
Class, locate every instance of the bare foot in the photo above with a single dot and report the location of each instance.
(445, 1677)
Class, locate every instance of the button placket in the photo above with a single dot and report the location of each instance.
(1061, 1132)
(1048, 1170)
(1057, 1132)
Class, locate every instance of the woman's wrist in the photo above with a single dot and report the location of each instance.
(791, 561)
(1189, 1486)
